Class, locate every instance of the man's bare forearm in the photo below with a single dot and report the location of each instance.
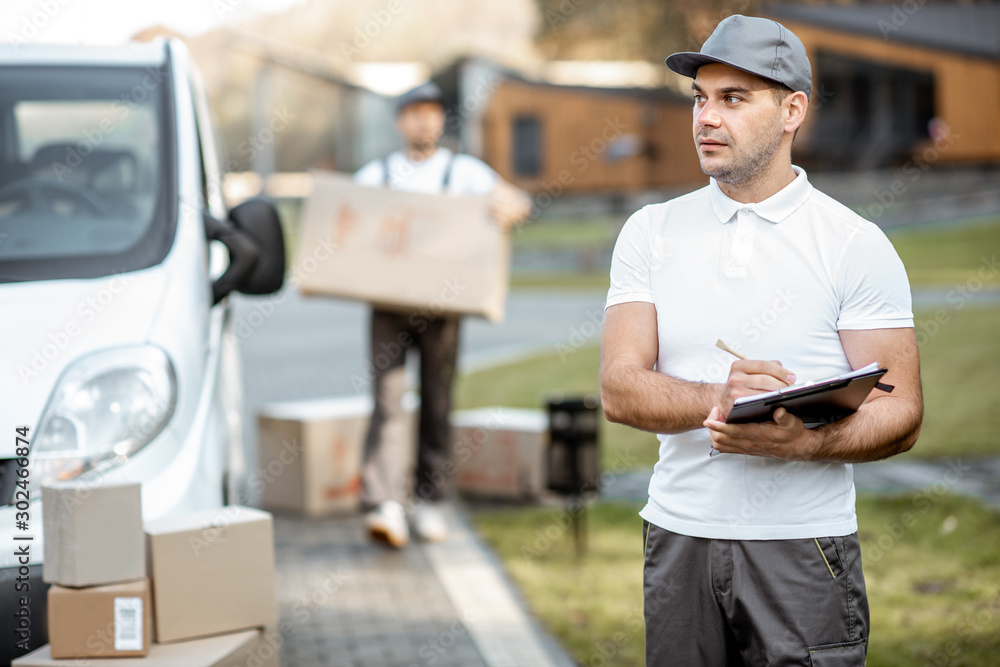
(881, 428)
(652, 401)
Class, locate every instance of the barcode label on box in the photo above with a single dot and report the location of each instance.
(128, 624)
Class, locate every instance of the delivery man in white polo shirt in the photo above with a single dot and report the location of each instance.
(421, 166)
(752, 555)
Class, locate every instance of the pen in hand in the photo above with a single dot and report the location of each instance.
(722, 346)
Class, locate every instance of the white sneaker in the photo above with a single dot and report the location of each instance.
(428, 522)
(387, 523)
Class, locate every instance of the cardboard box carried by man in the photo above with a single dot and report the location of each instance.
(430, 253)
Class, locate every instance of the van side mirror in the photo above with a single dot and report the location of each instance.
(256, 248)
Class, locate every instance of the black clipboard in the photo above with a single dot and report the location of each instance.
(816, 404)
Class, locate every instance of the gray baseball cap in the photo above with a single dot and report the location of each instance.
(425, 92)
(755, 45)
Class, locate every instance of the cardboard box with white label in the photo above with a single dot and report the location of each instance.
(212, 572)
(422, 253)
(100, 621)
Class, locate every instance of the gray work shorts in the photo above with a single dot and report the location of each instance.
(721, 603)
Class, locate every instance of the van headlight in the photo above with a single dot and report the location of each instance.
(105, 407)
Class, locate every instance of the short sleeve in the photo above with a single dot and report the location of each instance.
(471, 176)
(372, 174)
(630, 277)
(875, 292)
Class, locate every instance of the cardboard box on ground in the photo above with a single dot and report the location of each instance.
(310, 453)
(500, 452)
(422, 253)
(248, 648)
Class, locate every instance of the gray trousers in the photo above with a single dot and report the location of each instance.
(715, 603)
(386, 473)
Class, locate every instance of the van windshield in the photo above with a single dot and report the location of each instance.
(86, 157)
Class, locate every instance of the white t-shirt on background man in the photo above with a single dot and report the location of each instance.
(469, 175)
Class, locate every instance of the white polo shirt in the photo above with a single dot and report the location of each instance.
(776, 280)
(469, 175)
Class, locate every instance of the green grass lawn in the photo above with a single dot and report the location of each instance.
(958, 364)
(947, 256)
(546, 233)
(932, 565)
(526, 383)
(942, 256)
(958, 369)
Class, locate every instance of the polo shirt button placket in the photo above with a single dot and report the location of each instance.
(739, 251)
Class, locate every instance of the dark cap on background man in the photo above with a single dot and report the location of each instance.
(426, 92)
(756, 45)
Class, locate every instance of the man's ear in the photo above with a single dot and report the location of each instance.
(795, 106)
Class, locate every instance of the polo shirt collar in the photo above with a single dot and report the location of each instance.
(775, 208)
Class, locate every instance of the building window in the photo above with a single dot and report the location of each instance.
(867, 114)
(527, 149)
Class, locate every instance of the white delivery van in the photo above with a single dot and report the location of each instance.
(116, 256)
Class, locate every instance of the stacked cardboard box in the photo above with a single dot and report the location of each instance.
(310, 453)
(500, 452)
(99, 604)
(211, 573)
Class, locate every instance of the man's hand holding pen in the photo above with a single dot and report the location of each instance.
(785, 437)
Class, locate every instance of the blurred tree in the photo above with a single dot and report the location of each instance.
(629, 29)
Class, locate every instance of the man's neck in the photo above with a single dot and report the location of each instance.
(769, 183)
(420, 153)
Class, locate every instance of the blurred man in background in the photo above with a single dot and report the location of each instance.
(421, 166)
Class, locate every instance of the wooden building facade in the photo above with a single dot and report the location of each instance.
(899, 83)
(569, 138)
